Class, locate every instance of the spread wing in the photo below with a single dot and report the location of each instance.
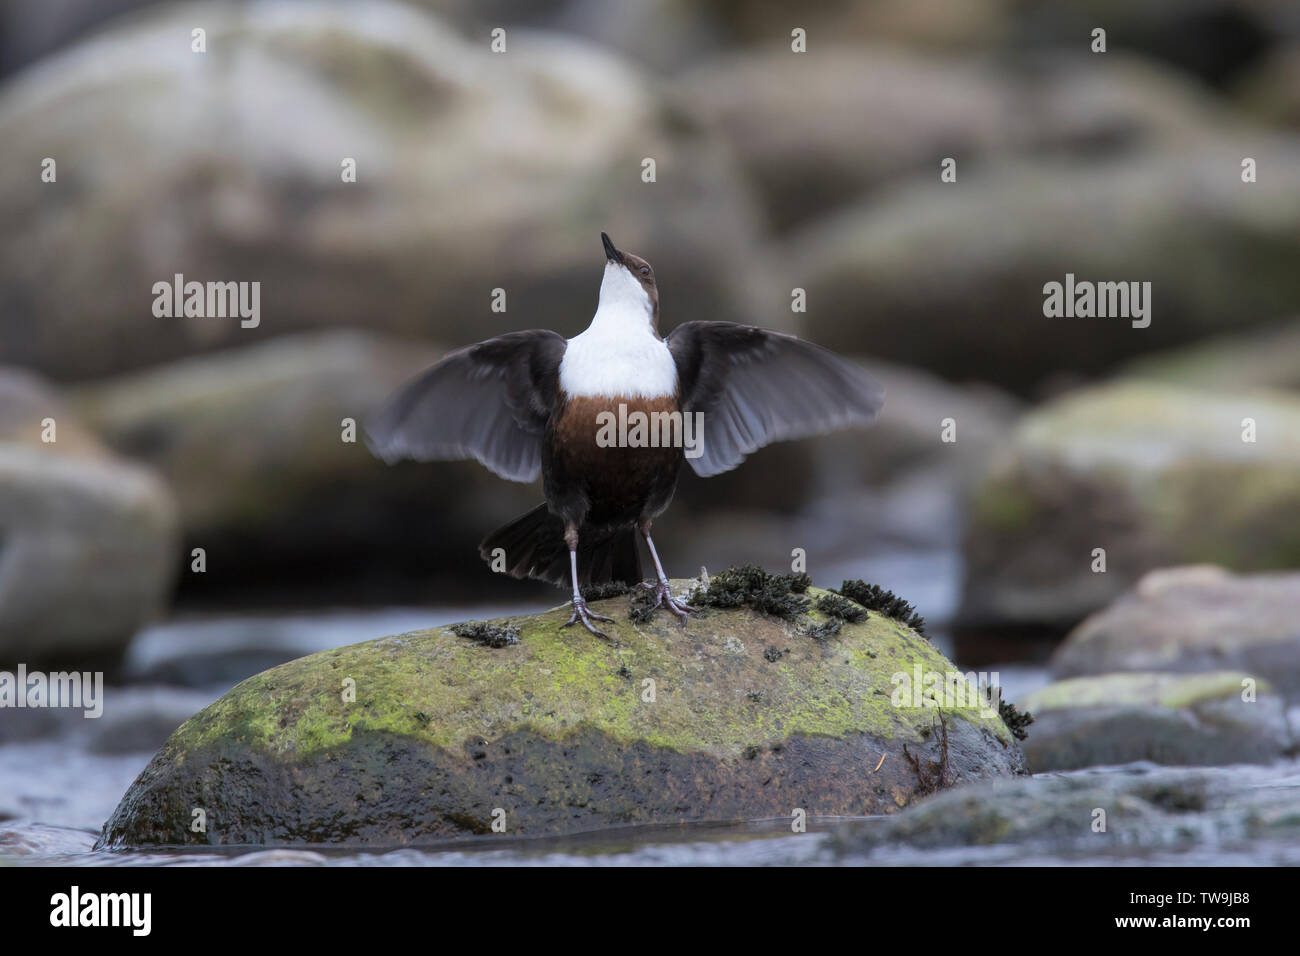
(488, 401)
(756, 387)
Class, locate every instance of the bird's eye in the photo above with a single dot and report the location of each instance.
(645, 270)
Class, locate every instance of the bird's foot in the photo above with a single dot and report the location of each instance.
(664, 598)
(581, 613)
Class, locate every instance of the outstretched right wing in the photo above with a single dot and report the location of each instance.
(755, 387)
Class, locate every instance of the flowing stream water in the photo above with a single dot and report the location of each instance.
(61, 775)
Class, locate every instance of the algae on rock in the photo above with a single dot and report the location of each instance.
(425, 735)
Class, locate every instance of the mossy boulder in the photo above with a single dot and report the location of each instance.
(1156, 475)
(1218, 717)
(736, 715)
(1194, 619)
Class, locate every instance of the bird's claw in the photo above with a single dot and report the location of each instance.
(586, 616)
(664, 598)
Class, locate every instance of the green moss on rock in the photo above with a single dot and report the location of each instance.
(1140, 466)
(1172, 691)
(423, 735)
(1199, 718)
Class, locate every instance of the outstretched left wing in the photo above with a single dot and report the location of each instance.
(488, 401)
(756, 387)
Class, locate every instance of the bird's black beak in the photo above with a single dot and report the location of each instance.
(612, 254)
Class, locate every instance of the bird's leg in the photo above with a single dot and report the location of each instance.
(580, 612)
(663, 591)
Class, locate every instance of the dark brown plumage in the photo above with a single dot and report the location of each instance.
(530, 403)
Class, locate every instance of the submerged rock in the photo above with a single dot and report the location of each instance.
(1092, 813)
(737, 715)
(1220, 717)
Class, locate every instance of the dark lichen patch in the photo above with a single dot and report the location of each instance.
(826, 630)
(779, 595)
(773, 654)
(875, 598)
(751, 586)
(835, 606)
(642, 607)
(1016, 722)
(607, 589)
(487, 634)
(799, 582)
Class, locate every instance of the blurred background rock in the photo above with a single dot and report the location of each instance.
(775, 171)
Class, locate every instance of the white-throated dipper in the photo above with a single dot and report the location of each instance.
(533, 402)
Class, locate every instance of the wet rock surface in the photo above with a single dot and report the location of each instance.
(1136, 810)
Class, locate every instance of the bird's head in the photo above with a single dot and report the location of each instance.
(629, 284)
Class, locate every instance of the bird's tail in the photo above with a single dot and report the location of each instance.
(533, 546)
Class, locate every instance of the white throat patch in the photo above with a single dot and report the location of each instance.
(619, 353)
